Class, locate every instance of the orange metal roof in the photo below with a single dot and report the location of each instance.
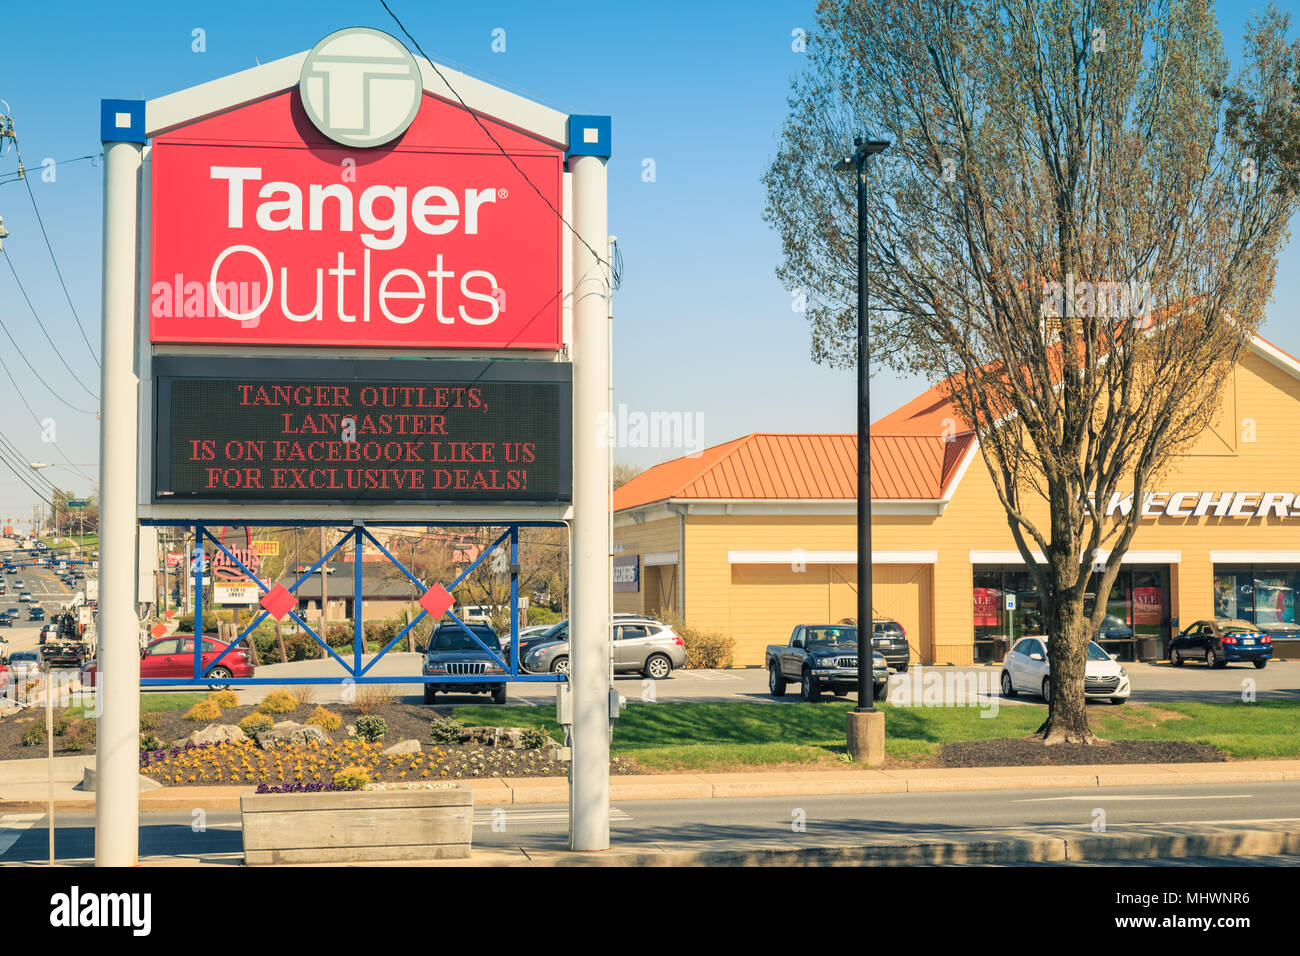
(764, 466)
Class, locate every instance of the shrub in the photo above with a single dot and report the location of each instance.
(373, 697)
(352, 778)
(301, 646)
(61, 726)
(224, 698)
(371, 727)
(533, 738)
(268, 648)
(34, 735)
(304, 694)
(537, 614)
(278, 702)
(150, 742)
(255, 723)
(325, 719)
(205, 709)
(149, 721)
(704, 648)
(445, 730)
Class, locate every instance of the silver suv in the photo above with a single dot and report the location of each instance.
(641, 645)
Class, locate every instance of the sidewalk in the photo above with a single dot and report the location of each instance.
(24, 787)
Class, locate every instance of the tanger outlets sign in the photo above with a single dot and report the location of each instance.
(265, 232)
(363, 431)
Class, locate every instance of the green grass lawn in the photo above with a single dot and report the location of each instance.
(720, 736)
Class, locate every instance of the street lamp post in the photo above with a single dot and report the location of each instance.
(866, 725)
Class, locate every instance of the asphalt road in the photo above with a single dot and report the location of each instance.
(1151, 683)
(46, 590)
(743, 823)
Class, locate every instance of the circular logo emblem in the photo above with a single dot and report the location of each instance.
(361, 87)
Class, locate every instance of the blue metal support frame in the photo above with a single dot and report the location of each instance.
(357, 672)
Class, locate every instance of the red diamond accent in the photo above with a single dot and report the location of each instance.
(170, 614)
(437, 601)
(279, 602)
(158, 630)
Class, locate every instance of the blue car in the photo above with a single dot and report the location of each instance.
(1221, 642)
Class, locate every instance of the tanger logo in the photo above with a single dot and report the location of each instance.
(361, 87)
(75, 908)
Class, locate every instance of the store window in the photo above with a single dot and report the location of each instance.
(1264, 596)
(1008, 607)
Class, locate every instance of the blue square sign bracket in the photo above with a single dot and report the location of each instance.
(589, 136)
(121, 121)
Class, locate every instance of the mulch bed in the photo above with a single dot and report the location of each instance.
(1032, 752)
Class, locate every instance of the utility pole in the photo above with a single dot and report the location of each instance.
(866, 725)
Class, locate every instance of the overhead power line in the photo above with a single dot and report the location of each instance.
(26, 298)
(57, 271)
(473, 115)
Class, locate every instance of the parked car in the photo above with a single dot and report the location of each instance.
(821, 656)
(23, 664)
(1220, 642)
(174, 657)
(889, 640)
(1026, 669)
(454, 653)
(639, 645)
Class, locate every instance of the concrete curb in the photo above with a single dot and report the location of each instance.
(704, 786)
(1057, 847)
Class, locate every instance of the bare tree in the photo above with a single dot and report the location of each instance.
(1070, 231)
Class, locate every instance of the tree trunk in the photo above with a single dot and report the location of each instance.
(1067, 629)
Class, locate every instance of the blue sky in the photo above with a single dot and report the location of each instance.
(702, 324)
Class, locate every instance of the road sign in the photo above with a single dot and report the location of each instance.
(76, 504)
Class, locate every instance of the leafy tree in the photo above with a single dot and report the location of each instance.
(1075, 230)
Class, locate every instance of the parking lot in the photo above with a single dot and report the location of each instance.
(1151, 682)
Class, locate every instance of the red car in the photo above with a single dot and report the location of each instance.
(174, 657)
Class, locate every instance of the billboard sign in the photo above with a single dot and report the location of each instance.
(365, 431)
(266, 233)
(235, 593)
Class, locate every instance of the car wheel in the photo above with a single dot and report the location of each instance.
(429, 693)
(878, 691)
(808, 689)
(1209, 659)
(560, 666)
(902, 668)
(1118, 700)
(775, 682)
(1047, 689)
(839, 691)
(219, 673)
(499, 693)
(1008, 688)
(1175, 658)
(657, 667)
(1260, 665)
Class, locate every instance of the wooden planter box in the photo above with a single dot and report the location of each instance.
(356, 826)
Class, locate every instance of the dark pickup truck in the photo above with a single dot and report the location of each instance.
(821, 656)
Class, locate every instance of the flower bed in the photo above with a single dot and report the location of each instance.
(246, 763)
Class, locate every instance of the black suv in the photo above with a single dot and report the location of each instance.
(453, 653)
(889, 640)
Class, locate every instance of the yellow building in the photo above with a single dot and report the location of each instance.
(759, 534)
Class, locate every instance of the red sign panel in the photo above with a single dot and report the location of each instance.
(268, 240)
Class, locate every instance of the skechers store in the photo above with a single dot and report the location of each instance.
(759, 534)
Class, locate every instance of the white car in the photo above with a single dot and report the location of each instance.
(1026, 669)
(25, 596)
